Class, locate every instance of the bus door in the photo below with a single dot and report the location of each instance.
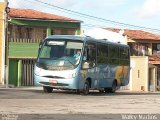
(89, 57)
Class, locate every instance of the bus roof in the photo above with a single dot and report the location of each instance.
(84, 38)
(74, 37)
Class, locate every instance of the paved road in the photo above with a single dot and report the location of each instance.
(24, 101)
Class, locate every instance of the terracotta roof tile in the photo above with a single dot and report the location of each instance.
(154, 59)
(137, 34)
(33, 14)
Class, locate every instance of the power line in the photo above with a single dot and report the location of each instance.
(41, 4)
(89, 17)
(97, 18)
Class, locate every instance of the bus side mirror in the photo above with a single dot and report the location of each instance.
(84, 58)
(85, 65)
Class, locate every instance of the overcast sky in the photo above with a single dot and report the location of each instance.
(145, 13)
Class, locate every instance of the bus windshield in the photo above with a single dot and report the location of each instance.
(60, 54)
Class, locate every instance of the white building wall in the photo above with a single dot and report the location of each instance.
(139, 73)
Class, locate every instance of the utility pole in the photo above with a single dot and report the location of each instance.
(7, 10)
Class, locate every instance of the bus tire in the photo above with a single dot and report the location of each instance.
(47, 89)
(114, 87)
(107, 90)
(101, 91)
(86, 88)
(77, 91)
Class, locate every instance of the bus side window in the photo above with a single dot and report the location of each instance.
(91, 54)
(85, 55)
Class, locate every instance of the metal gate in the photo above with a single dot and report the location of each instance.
(28, 72)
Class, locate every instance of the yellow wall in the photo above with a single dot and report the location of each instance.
(2, 6)
(139, 73)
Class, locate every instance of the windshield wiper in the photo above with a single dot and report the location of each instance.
(69, 61)
(66, 59)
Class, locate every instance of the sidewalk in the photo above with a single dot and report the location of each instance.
(7, 86)
(2, 86)
(21, 87)
(129, 91)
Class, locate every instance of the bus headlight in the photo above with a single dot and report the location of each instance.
(37, 71)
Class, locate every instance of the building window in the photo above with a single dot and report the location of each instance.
(156, 49)
(44, 33)
(140, 49)
(63, 31)
(27, 34)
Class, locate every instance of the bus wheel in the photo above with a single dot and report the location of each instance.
(86, 88)
(77, 91)
(101, 91)
(107, 90)
(47, 89)
(114, 86)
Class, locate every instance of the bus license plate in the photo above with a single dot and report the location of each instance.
(53, 82)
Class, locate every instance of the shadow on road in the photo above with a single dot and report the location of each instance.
(20, 93)
(96, 92)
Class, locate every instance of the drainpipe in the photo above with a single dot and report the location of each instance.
(19, 73)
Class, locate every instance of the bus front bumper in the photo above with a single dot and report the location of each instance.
(55, 83)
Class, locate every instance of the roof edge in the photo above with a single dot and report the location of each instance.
(18, 18)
